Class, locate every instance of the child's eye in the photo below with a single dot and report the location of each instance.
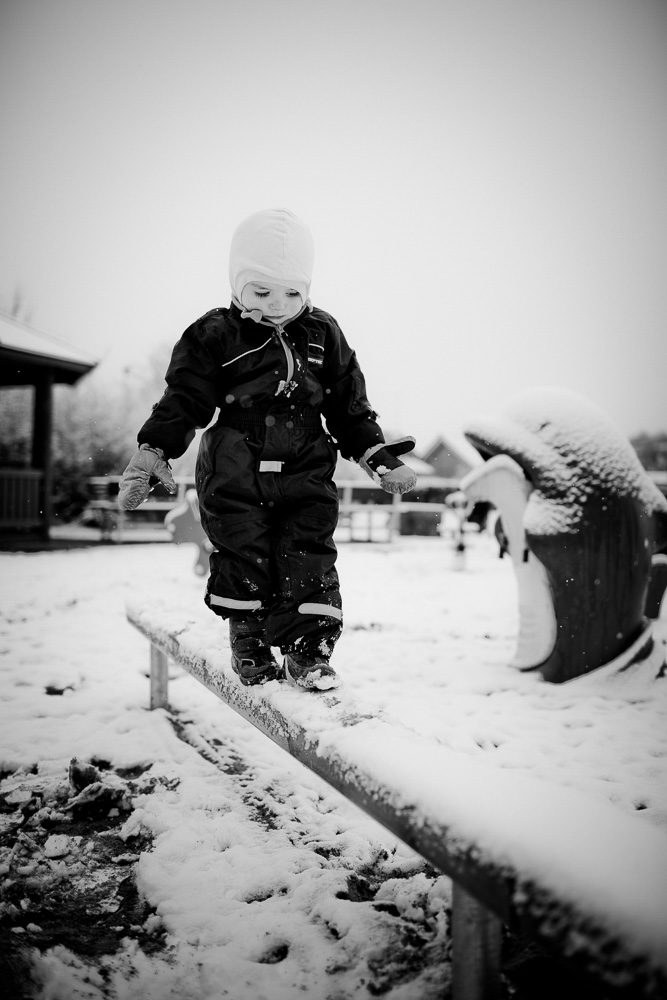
(294, 295)
(262, 295)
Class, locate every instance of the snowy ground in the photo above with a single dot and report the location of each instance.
(212, 865)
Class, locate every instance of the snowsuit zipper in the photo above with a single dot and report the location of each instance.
(285, 383)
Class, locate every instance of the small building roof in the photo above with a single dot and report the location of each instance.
(25, 353)
(452, 459)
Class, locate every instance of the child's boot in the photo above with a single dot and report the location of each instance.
(252, 658)
(309, 669)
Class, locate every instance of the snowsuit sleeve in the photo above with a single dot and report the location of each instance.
(189, 401)
(349, 416)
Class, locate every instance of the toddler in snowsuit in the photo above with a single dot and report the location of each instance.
(273, 366)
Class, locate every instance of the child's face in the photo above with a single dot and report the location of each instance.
(277, 303)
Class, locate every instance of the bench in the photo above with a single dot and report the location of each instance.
(113, 522)
(598, 902)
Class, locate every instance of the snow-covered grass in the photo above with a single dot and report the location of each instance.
(261, 880)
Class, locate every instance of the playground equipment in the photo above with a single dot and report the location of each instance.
(585, 528)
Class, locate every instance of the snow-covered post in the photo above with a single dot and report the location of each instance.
(459, 503)
(395, 516)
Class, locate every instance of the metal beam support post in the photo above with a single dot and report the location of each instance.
(159, 678)
(476, 941)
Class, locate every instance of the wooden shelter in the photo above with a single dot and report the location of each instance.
(31, 358)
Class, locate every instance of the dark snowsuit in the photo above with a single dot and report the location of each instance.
(265, 468)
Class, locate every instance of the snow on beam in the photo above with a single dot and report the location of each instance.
(585, 880)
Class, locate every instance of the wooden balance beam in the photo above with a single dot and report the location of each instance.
(582, 879)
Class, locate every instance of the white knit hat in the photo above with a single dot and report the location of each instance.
(272, 245)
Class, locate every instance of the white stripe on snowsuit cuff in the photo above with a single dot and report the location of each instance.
(321, 609)
(230, 602)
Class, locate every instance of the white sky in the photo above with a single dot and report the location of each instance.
(485, 180)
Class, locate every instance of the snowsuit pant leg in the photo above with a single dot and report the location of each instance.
(235, 522)
(306, 612)
(272, 531)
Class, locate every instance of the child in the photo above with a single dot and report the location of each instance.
(274, 366)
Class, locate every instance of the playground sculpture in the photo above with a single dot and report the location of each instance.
(585, 527)
(184, 525)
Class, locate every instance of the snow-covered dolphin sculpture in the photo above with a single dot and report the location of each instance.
(583, 523)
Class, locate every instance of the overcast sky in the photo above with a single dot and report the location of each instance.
(486, 181)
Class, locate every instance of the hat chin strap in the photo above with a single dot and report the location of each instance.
(255, 314)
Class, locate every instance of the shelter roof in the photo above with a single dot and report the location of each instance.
(26, 353)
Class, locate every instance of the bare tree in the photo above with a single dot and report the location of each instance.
(16, 305)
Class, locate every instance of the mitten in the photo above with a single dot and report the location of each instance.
(135, 485)
(383, 466)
